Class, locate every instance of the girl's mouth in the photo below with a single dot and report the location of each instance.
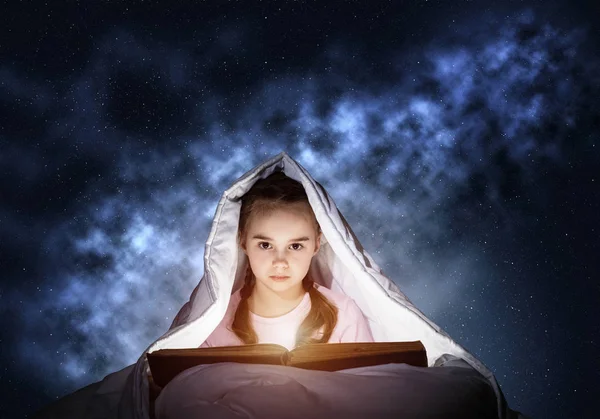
(279, 278)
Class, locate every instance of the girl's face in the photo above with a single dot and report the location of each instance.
(280, 246)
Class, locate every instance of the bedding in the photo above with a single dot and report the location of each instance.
(99, 400)
(233, 391)
(456, 384)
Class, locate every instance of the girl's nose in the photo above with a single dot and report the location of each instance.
(280, 262)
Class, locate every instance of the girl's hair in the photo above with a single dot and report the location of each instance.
(275, 192)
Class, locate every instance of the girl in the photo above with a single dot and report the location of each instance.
(279, 302)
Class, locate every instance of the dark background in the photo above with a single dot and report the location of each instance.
(459, 138)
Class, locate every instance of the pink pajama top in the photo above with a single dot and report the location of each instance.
(351, 324)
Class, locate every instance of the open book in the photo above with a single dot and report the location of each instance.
(165, 364)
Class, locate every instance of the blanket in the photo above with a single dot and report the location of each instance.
(342, 264)
(234, 391)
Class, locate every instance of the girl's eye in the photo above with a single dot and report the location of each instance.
(294, 246)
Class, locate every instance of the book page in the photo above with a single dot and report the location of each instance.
(252, 349)
(351, 349)
(167, 363)
(335, 356)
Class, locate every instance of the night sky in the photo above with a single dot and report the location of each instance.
(460, 139)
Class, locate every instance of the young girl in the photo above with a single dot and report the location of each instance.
(279, 302)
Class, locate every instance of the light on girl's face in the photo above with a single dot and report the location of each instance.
(280, 246)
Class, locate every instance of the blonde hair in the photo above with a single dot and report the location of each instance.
(275, 192)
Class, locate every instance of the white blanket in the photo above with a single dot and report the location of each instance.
(233, 391)
(342, 265)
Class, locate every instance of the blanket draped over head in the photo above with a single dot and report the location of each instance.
(342, 264)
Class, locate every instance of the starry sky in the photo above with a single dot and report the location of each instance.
(460, 139)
